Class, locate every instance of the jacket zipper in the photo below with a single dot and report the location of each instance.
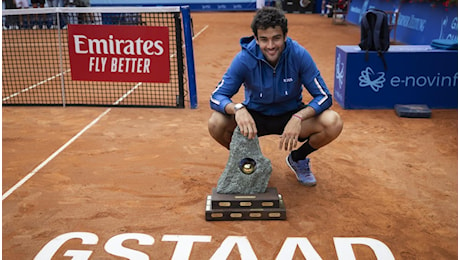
(274, 84)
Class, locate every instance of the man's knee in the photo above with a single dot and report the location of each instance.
(221, 128)
(333, 122)
(219, 123)
(213, 123)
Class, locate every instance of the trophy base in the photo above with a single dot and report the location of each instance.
(260, 206)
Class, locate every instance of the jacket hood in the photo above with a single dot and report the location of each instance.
(249, 44)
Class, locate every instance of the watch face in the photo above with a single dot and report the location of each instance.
(238, 106)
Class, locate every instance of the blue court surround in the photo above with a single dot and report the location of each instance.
(418, 23)
(195, 5)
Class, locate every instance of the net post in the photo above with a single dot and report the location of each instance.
(61, 55)
(186, 20)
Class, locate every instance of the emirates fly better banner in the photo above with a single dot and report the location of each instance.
(119, 53)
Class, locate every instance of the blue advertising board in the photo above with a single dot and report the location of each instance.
(422, 23)
(418, 23)
(416, 74)
(195, 5)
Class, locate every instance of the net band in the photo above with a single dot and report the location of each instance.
(151, 9)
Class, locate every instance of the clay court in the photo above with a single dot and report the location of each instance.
(121, 174)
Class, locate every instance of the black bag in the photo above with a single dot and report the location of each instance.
(375, 34)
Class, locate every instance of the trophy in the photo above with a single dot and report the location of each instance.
(242, 192)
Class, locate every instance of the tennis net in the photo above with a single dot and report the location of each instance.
(94, 56)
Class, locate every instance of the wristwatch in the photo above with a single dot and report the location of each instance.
(238, 107)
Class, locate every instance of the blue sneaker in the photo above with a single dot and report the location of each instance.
(302, 171)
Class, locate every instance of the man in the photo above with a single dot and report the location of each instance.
(22, 4)
(39, 21)
(56, 3)
(10, 21)
(273, 68)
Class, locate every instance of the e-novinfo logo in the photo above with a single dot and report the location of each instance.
(376, 81)
(369, 79)
(339, 70)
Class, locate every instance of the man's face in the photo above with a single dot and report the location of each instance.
(271, 43)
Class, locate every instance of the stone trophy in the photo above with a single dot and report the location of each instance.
(241, 192)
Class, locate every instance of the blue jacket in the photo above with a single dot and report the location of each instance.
(272, 90)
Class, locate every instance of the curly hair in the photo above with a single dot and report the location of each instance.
(269, 17)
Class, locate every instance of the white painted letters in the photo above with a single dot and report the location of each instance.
(185, 243)
(115, 245)
(241, 242)
(290, 244)
(344, 249)
(53, 246)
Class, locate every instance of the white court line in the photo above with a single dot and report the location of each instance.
(62, 148)
(35, 85)
(202, 30)
(45, 162)
(127, 93)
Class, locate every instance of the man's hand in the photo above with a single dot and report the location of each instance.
(288, 140)
(246, 123)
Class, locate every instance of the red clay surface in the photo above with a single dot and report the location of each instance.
(148, 171)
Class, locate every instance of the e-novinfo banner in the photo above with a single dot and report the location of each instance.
(119, 53)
